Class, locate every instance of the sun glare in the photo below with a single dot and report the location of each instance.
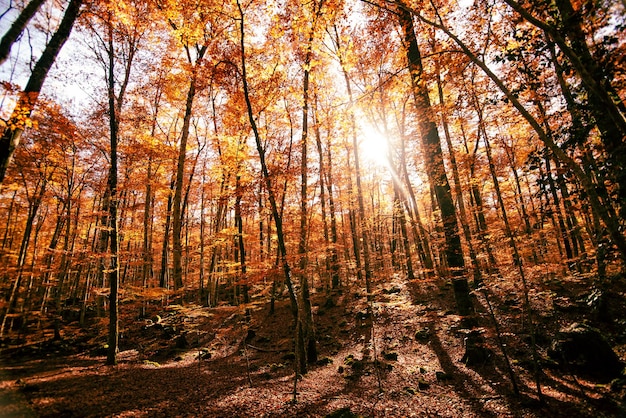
(373, 147)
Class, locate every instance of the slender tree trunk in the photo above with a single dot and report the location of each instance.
(556, 208)
(352, 222)
(114, 268)
(241, 249)
(28, 298)
(362, 223)
(64, 269)
(329, 267)
(334, 258)
(476, 202)
(201, 272)
(218, 223)
(572, 220)
(177, 246)
(146, 269)
(525, 217)
(5, 237)
(399, 215)
(280, 236)
(54, 241)
(457, 186)
(433, 158)
(517, 261)
(308, 345)
(164, 273)
(360, 216)
(418, 229)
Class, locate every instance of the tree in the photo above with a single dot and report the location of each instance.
(278, 220)
(195, 37)
(114, 268)
(611, 222)
(223, 148)
(118, 36)
(17, 28)
(46, 170)
(307, 333)
(608, 110)
(359, 227)
(433, 158)
(27, 100)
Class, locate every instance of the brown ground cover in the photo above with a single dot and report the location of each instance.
(405, 360)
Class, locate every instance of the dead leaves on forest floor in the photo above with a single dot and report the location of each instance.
(403, 361)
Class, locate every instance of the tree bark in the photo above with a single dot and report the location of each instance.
(398, 209)
(164, 273)
(333, 219)
(517, 261)
(324, 212)
(419, 231)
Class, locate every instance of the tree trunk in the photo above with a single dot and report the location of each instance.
(433, 158)
(146, 269)
(164, 273)
(401, 218)
(177, 246)
(556, 208)
(54, 241)
(330, 267)
(572, 220)
(308, 346)
(457, 185)
(241, 249)
(201, 272)
(525, 217)
(359, 219)
(517, 261)
(5, 237)
(280, 236)
(417, 227)
(114, 268)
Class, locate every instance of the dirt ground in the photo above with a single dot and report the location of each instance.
(404, 360)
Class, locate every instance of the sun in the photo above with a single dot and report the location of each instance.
(374, 147)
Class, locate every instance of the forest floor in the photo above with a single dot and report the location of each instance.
(404, 360)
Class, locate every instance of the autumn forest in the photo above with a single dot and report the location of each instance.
(457, 160)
